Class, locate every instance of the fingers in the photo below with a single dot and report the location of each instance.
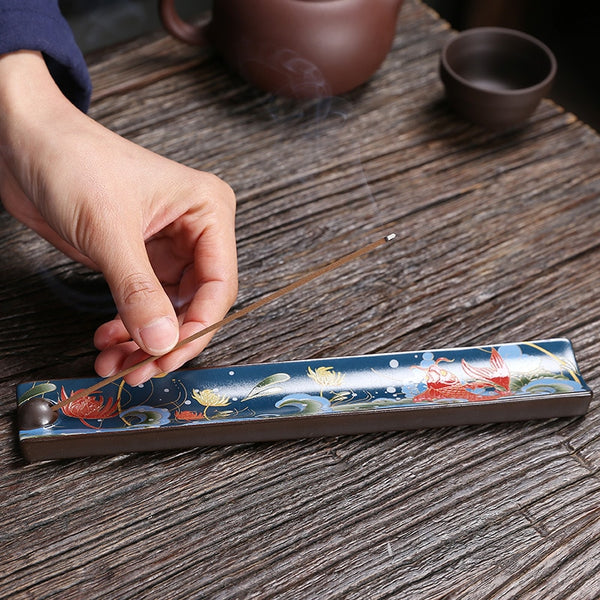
(215, 268)
(207, 289)
(110, 334)
(209, 306)
(144, 307)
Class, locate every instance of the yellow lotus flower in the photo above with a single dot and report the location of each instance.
(326, 377)
(209, 398)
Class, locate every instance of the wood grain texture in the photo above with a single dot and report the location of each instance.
(498, 242)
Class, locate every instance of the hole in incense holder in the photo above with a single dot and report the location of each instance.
(36, 413)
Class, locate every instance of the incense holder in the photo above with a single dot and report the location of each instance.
(318, 397)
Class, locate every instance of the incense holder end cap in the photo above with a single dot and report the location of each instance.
(36, 413)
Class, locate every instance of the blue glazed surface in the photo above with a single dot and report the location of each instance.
(329, 385)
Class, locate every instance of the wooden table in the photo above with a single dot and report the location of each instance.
(498, 242)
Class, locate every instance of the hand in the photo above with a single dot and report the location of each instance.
(162, 234)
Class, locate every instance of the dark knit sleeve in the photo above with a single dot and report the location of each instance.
(39, 25)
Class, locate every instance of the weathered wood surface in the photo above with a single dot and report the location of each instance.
(498, 242)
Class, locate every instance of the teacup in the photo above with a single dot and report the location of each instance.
(496, 77)
(297, 48)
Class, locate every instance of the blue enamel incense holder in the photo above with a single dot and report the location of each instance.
(319, 397)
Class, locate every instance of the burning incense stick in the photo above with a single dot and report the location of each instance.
(232, 317)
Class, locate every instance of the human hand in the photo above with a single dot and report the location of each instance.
(162, 234)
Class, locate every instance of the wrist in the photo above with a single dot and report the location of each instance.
(28, 98)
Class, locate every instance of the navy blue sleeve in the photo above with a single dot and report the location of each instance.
(39, 25)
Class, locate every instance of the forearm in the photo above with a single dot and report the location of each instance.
(37, 127)
(31, 105)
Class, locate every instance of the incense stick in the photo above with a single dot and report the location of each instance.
(232, 317)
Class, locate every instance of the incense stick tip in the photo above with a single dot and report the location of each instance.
(390, 237)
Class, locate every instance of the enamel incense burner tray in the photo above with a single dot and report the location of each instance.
(320, 397)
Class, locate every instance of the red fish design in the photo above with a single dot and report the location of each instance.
(496, 375)
(444, 385)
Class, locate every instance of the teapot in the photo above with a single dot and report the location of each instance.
(295, 48)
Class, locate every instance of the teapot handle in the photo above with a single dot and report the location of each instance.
(180, 29)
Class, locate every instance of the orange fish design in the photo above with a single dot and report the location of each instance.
(444, 385)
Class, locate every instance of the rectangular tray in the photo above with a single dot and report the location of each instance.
(319, 397)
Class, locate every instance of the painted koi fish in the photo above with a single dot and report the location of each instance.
(444, 385)
(496, 375)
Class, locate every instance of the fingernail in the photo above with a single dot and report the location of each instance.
(106, 373)
(159, 336)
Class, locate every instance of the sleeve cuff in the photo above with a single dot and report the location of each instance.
(39, 25)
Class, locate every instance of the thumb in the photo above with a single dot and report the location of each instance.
(142, 303)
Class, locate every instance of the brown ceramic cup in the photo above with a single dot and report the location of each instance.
(297, 48)
(496, 77)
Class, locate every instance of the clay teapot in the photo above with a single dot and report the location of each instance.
(297, 48)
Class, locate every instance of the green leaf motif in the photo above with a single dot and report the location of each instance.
(524, 381)
(549, 388)
(306, 406)
(37, 390)
(268, 386)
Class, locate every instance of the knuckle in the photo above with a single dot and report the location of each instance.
(227, 192)
(220, 189)
(137, 288)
